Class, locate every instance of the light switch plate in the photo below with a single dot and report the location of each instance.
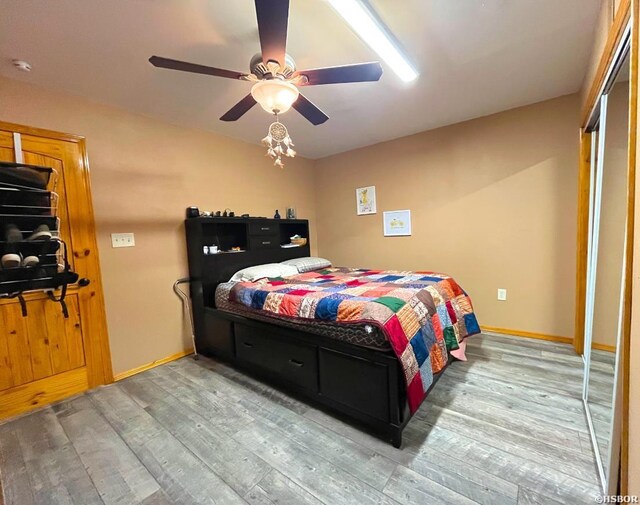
(122, 240)
(502, 294)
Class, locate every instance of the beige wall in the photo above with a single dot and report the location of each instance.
(498, 191)
(493, 204)
(144, 173)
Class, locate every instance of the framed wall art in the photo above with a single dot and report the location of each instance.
(366, 200)
(397, 223)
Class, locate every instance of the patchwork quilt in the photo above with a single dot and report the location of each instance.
(423, 314)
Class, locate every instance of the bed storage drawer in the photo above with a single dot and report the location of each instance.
(293, 362)
(217, 338)
(355, 382)
(263, 228)
(264, 242)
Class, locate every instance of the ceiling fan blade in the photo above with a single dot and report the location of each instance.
(158, 61)
(305, 107)
(273, 17)
(360, 72)
(239, 109)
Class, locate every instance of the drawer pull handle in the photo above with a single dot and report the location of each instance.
(247, 344)
(265, 228)
(266, 243)
(297, 363)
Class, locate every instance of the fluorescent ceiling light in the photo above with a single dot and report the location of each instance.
(368, 29)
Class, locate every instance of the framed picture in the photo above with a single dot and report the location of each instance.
(366, 200)
(291, 213)
(397, 223)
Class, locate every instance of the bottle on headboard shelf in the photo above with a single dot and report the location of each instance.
(277, 215)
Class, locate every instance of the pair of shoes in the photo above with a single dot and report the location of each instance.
(12, 257)
(42, 232)
(13, 234)
(13, 260)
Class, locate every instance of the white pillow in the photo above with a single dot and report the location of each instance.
(308, 263)
(251, 274)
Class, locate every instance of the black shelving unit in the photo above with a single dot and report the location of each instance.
(259, 241)
(27, 201)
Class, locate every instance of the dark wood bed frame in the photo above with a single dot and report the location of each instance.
(364, 384)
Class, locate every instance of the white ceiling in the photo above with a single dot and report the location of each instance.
(476, 57)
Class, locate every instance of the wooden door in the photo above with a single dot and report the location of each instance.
(44, 356)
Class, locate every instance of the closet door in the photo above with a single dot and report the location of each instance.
(606, 263)
(45, 356)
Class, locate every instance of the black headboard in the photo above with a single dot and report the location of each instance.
(259, 239)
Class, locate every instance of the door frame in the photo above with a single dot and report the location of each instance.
(627, 10)
(96, 339)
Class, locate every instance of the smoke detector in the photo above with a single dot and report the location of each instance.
(22, 65)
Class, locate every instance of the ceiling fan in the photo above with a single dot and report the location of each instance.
(274, 73)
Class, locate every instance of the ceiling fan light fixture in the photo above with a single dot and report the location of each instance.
(274, 95)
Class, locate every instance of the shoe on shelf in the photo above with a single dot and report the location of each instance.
(30, 261)
(42, 232)
(12, 233)
(11, 260)
(11, 257)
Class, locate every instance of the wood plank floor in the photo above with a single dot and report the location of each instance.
(506, 427)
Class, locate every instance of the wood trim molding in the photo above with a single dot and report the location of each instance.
(42, 392)
(528, 334)
(543, 336)
(584, 183)
(41, 132)
(628, 288)
(104, 373)
(603, 347)
(153, 364)
(620, 21)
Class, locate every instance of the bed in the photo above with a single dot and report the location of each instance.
(364, 344)
(422, 316)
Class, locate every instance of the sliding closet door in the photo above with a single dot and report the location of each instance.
(598, 134)
(605, 265)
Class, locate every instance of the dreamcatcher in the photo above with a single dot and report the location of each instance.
(278, 143)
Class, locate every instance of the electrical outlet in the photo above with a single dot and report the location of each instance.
(502, 294)
(122, 240)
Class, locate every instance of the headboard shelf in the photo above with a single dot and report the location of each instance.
(259, 238)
